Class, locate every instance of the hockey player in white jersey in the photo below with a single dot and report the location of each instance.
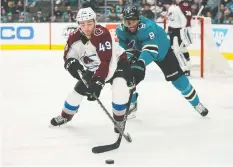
(91, 50)
(179, 18)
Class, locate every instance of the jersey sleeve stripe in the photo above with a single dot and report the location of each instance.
(151, 48)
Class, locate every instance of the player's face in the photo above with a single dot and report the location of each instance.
(87, 27)
(131, 24)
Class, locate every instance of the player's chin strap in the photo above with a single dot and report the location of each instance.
(121, 131)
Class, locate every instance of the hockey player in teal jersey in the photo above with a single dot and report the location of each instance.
(146, 42)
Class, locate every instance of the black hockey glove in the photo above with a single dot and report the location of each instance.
(94, 89)
(132, 59)
(138, 70)
(204, 2)
(73, 65)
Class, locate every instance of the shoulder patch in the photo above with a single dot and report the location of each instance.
(141, 26)
(98, 31)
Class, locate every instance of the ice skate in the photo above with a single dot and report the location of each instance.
(201, 109)
(121, 125)
(59, 120)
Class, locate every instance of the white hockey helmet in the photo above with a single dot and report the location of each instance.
(179, 1)
(85, 14)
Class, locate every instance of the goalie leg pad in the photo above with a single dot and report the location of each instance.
(185, 35)
(174, 32)
(179, 50)
(186, 56)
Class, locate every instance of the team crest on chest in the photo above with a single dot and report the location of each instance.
(87, 60)
(90, 61)
(131, 44)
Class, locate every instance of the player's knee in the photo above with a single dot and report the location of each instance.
(123, 71)
(181, 83)
(120, 91)
(80, 88)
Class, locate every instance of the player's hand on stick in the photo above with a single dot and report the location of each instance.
(94, 89)
(73, 65)
(204, 2)
(132, 59)
(138, 70)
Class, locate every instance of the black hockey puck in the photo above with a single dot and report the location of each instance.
(109, 161)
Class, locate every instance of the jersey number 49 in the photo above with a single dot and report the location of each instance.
(105, 46)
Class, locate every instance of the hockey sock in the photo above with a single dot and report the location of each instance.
(134, 98)
(119, 111)
(186, 89)
(71, 104)
(69, 110)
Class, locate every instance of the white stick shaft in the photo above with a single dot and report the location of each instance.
(199, 12)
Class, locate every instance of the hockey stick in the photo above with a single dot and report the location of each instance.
(126, 136)
(110, 147)
(199, 12)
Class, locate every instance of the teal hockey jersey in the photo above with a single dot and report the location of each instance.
(150, 40)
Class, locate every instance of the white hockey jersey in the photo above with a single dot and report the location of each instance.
(176, 18)
(99, 54)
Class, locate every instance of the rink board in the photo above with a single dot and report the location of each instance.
(53, 36)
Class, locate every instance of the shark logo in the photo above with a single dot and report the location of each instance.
(219, 35)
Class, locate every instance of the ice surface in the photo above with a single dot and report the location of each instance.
(166, 132)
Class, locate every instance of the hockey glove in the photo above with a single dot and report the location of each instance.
(138, 70)
(204, 2)
(132, 59)
(87, 76)
(94, 89)
(73, 65)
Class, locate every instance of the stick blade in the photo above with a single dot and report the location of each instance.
(104, 148)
